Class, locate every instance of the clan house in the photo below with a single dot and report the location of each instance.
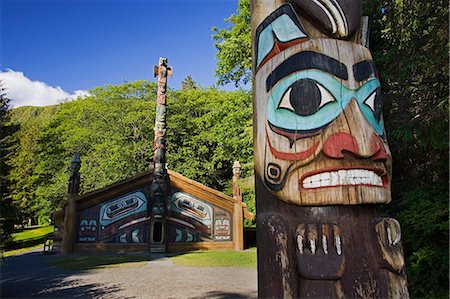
(158, 210)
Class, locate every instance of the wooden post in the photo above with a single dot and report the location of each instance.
(159, 188)
(322, 162)
(70, 216)
(238, 217)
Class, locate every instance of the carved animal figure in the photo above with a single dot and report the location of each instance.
(322, 161)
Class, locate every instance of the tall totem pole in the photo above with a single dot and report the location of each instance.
(159, 188)
(70, 217)
(322, 162)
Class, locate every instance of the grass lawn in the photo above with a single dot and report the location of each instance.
(217, 258)
(28, 239)
(36, 233)
(89, 262)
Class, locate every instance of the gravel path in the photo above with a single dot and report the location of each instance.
(32, 276)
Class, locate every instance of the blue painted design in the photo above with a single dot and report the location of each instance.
(287, 119)
(122, 207)
(284, 29)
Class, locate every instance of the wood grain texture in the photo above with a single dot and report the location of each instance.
(322, 163)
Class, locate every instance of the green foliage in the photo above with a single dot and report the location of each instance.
(409, 42)
(235, 48)
(423, 213)
(7, 209)
(112, 130)
(207, 130)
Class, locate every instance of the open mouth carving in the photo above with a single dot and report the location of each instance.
(343, 177)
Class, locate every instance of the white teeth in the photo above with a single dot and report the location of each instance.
(343, 178)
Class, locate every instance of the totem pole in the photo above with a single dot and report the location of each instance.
(322, 162)
(238, 217)
(71, 209)
(159, 188)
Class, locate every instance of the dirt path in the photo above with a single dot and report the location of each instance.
(32, 276)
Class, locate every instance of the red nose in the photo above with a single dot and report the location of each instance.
(339, 143)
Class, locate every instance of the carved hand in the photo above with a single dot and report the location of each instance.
(319, 251)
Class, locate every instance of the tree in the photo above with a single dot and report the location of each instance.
(188, 83)
(235, 49)
(7, 210)
(410, 45)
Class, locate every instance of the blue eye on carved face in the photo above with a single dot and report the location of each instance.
(307, 101)
(305, 97)
(304, 102)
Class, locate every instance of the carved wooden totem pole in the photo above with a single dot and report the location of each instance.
(323, 166)
(159, 188)
(68, 242)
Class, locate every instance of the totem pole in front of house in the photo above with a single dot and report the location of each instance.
(159, 188)
(68, 241)
(322, 162)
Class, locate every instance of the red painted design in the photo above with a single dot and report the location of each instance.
(336, 144)
(280, 47)
(293, 137)
(292, 156)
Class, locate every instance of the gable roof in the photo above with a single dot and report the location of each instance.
(176, 180)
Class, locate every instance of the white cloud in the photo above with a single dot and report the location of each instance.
(24, 92)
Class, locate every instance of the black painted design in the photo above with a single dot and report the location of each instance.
(307, 60)
(364, 70)
(286, 9)
(277, 183)
(274, 172)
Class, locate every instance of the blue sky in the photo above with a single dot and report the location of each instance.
(77, 45)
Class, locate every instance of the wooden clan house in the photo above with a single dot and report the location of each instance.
(157, 210)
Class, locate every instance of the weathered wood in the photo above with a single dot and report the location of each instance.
(157, 209)
(238, 215)
(321, 156)
(70, 214)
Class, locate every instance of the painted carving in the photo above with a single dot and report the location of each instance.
(321, 155)
(321, 136)
(222, 229)
(88, 230)
(195, 220)
(120, 220)
(122, 207)
(191, 213)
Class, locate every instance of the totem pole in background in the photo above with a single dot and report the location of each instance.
(71, 209)
(159, 188)
(322, 162)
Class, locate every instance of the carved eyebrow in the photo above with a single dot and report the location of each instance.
(303, 61)
(364, 70)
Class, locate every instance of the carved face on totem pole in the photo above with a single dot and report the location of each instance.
(319, 136)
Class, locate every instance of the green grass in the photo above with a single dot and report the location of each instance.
(36, 233)
(217, 258)
(89, 262)
(28, 239)
(22, 250)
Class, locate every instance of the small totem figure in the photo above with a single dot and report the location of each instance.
(322, 160)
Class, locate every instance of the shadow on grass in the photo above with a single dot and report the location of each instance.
(30, 242)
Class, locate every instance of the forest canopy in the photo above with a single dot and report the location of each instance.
(112, 130)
